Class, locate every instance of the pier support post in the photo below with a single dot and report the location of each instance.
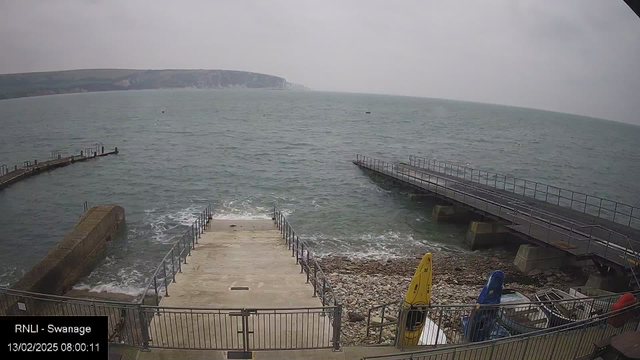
(531, 257)
(451, 213)
(613, 283)
(485, 234)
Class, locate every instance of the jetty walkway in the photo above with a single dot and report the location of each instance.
(9, 176)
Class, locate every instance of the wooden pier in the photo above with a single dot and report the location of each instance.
(582, 234)
(8, 176)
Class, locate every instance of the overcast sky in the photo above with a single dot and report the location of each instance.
(577, 56)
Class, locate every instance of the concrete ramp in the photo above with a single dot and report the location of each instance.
(241, 286)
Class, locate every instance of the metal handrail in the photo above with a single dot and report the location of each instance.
(176, 256)
(589, 306)
(304, 256)
(140, 325)
(631, 311)
(538, 188)
(510, 212)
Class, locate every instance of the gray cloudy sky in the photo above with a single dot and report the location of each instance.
(577, 56)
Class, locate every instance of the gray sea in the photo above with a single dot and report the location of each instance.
(244, 151)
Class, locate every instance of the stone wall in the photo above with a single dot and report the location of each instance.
(76, 254)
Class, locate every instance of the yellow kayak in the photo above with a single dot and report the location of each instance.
(418, 297)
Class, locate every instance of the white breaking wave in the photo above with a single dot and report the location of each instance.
(112, 288)
(127, 282)
(162, 224)
(244, 210)
(385, 246)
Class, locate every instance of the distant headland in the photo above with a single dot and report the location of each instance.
(90, 80)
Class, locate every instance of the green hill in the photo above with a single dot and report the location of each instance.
(73, 81)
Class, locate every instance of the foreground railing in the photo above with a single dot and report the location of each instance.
(575, 237)
(144, 326)
(126, 320)
(615, 211)
(171, 264)
(453, 324)
(566, 342)
(244, 329)
(304, 257)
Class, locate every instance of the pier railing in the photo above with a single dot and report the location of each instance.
(28, 168)
(460, 323)
(576, 238)
(301, 250)
(567, 342)
(171, 264)
(615, 211)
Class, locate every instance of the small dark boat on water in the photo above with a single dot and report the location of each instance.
(522, 316)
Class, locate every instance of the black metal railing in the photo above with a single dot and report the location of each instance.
(566, 342)
(446, 322)
(123, 318)
(171, 264)
(615, 211)
(301, 250)
(145, 326)
(577, 238)
(244, 329)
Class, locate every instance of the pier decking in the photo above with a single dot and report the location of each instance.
(579, 233)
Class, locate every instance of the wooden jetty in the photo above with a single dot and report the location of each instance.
(9, 176)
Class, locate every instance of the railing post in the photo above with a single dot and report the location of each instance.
(188, 247)
(155, 288)
(308, 266)
(324, 286)
(301, 256)
(337, 324)
(173, 266)
(166, 287)
(143, 328)
(315, 278)
(179, 257)
(384, 308)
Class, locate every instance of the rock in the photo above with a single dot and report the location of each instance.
(355, 317)
(457, 269)
(551, 279)
(534, 272)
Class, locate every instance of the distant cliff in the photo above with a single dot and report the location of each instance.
(74, 81)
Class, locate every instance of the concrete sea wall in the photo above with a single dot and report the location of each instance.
(76, 254)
